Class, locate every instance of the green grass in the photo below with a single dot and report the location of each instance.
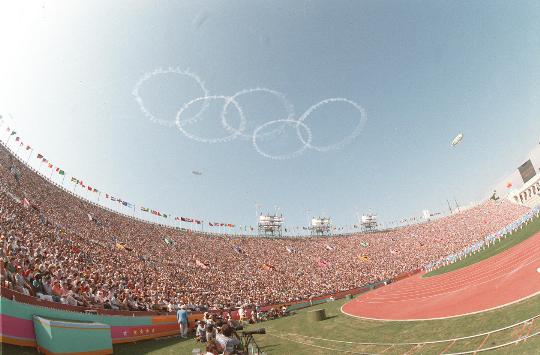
(517, 237)
(279, 338)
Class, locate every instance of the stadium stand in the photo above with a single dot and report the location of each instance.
(58, 247)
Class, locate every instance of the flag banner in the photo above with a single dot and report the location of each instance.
(268, 267)
(25, 203)
(201, 264)
(363, 257)
(322, 263)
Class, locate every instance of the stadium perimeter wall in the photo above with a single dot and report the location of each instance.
(17, 312)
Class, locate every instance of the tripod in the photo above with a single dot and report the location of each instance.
(249, 339)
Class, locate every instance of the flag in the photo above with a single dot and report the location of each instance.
(322, 263)
(50, 166)
(509, 184)
(61, 172)
(106, 195)
(39, 156)
(74, 180)
(17, 139)
(268, 267)
(89, 188)
(201, 264)
(164, 215)
(44, 160)
(13, 133)
(28, 147)
(144, 209)
(25, 203)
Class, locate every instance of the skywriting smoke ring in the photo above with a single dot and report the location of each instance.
(289, 108)
(283, 156)
(159, 71)
(180, 123)
(336, 146)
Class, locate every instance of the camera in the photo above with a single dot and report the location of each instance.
(256, 331)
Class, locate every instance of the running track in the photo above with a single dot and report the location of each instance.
(502, 279)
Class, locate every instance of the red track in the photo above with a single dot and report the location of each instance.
(502, 279)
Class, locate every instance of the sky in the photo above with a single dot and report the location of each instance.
(132, 97)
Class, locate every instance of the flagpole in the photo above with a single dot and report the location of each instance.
(63, 180)
(28, 159)
(99, 195)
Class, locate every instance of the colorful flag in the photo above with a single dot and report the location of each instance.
(201, 264)
(50, 166)
(144, 209)
(74, 180)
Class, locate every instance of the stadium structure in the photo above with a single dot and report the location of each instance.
(320, 226)
(368, 222)
(270, 225)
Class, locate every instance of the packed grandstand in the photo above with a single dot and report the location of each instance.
(60, 248)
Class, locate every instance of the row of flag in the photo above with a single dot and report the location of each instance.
(124, 203)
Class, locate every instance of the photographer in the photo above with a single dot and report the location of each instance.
(228, 339)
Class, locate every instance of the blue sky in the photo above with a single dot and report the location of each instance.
(422, 70)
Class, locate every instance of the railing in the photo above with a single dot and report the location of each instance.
(488, 240)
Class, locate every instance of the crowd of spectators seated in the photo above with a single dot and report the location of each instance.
(61, 248)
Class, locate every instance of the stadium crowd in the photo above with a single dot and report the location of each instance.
(58, 247)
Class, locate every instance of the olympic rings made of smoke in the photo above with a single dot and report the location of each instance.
(240, 132)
